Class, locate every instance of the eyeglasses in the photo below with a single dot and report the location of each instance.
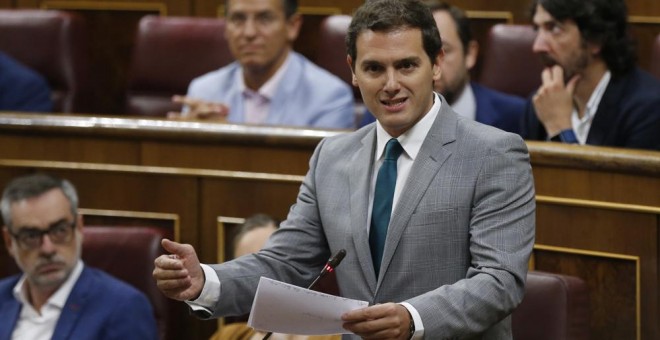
(58, 233)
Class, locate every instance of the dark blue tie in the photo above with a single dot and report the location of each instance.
(383, 197)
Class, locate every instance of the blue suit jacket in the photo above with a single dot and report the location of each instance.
(497, 109)
(494, 108)
(628, 114)
(99, 307)
(22, 89)
(307, 96)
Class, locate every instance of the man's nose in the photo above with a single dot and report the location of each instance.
(47, 246)
(392, 81)
(540, 43)
(250, 27)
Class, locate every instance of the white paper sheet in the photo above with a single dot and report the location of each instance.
(283, 308)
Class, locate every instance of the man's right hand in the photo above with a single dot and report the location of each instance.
(199, 109)
(179, 275)
(553, 101)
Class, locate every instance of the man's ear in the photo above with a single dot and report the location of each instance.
(471, 53)
(437, 69)
(349, 61)
(594, 48)
(8, 240)
(293, 27)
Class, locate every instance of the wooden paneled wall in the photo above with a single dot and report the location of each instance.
(113, 25)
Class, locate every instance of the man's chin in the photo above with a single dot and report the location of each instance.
(50, 279)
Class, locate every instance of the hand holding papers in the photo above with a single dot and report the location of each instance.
(284, 308)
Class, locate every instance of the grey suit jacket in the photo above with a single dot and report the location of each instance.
(457, 246)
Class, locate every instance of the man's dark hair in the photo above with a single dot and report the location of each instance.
(29, 186)
(461, 20)
(602, 22)
(391, 15)
(290, 7)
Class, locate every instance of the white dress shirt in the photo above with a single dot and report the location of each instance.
(257, 103)
(581, 126)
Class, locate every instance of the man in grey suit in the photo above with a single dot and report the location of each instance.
(451, 261)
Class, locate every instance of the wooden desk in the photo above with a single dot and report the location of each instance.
(158, 142)
(598, 209)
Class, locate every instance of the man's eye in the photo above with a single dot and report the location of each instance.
(372, 68)
(60, 228)
(237, 19)
(265, 19)
(30, 235)
(407, 66)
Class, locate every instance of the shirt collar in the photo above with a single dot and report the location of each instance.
(58, 299)
(269, 88)
(411, 140)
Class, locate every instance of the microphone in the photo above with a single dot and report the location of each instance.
(329, 267)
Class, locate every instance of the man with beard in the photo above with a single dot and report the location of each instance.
(467, 98)
(57, 296)
(269, 83)
(591, 92)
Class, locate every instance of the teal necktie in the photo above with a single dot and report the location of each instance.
(383, 197)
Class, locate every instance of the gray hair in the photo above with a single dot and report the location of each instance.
(35, 185)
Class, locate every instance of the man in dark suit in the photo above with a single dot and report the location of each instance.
(22, 89)
(468, 98)
(435, 211)
(57, 296)
(591, 92)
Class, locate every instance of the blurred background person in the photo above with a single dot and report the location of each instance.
(268, 83)
(57, 296)
(21, 88)
(253, 235)
(592, 92)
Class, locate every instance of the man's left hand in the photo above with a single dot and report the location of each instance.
(384, 321)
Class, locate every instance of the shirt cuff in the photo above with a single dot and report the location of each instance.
(210, 293)
(565, 136)
(419, 327)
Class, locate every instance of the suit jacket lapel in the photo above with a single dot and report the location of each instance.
(606, 114)
(359, 186)
(74, 306)
(432, 155)
(9, 311)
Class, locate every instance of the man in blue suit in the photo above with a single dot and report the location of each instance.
(57, 296)
(591, 91)
(269, 83)
(468, 98)
(22, 89)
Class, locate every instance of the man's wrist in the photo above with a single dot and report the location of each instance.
(411, 328)
(565, 136)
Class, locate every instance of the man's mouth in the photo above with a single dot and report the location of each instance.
(49, 267)
(393, 104)
(547, 60)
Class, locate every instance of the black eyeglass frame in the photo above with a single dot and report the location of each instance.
(37, 235)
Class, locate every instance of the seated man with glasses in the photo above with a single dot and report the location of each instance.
(57, 296)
